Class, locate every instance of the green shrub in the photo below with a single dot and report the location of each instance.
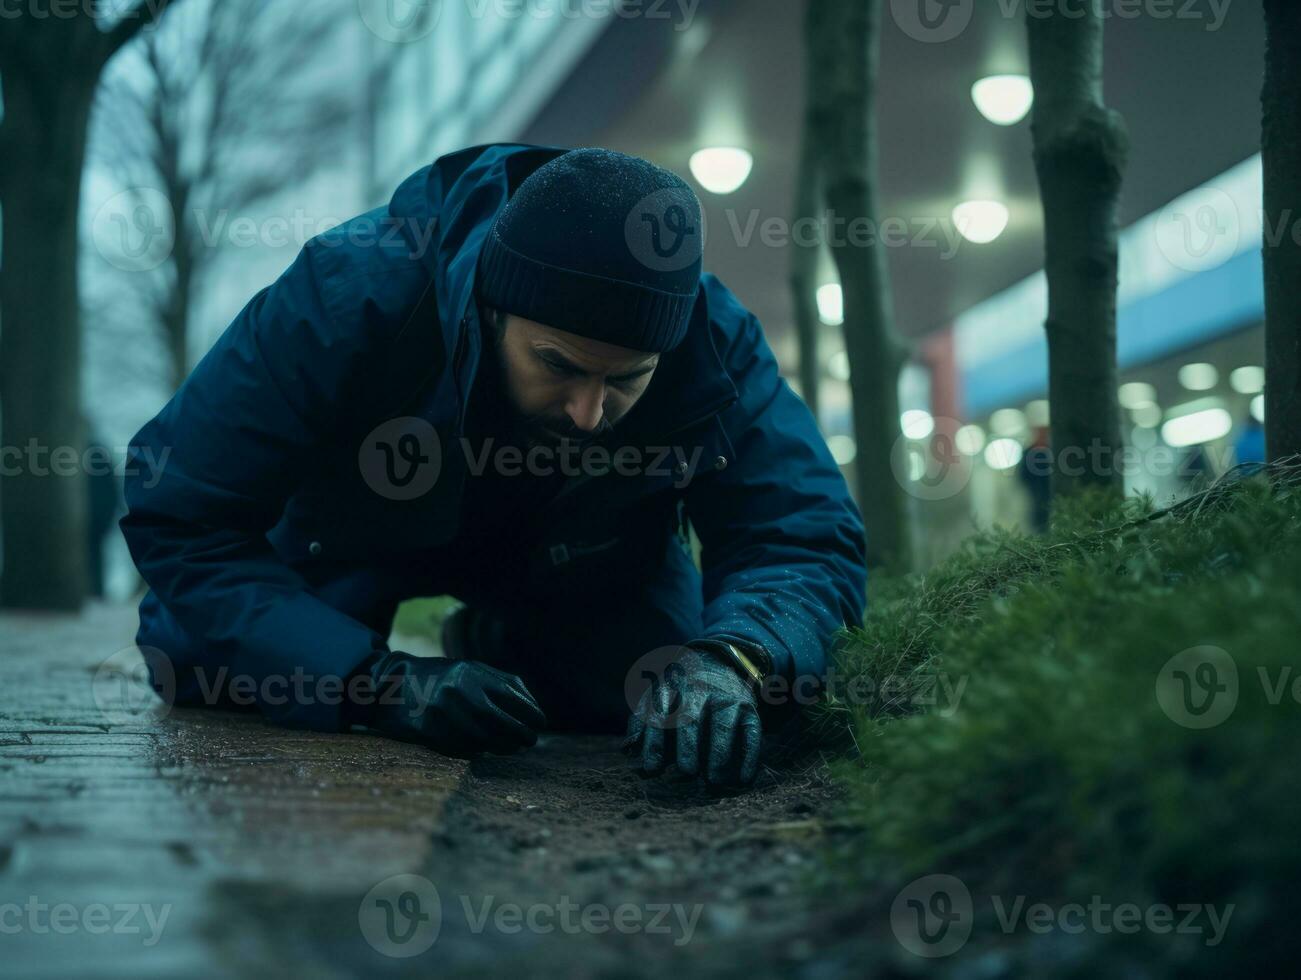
(1048, 766)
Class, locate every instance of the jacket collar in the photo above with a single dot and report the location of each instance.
(689, 386)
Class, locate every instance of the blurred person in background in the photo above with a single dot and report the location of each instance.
(1035, 472)
(1250, 444)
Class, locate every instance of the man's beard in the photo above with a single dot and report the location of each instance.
(551, 431)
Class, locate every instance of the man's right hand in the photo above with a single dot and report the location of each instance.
(456, 707)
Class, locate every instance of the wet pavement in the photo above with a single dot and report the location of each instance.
(140, 841)
(142, 810)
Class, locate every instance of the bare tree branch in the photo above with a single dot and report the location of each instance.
(141, 15)
(237, 104)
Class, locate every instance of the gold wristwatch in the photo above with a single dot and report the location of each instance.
(753, 664)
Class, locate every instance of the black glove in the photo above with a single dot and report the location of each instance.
(701, 714)
(456, 707)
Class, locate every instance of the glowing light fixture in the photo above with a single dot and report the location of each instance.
(1036, 412)
(969, 440)
(1147, 415)
(721, 169)
(831, 304)
(1143, 438)
(1135, 393)
(1197, 427)
(980, 221)
(838, 366)
(1258, 409)
(1003, 454)
(843, 449)
(1003, 99)
(916, 466)
(917, 424)
(1199, 377)
(1007, 422)
(1247, 380)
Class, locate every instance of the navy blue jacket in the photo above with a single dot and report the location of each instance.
(375, 319)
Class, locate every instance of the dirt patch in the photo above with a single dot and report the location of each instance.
(623, 876)
(571, 821)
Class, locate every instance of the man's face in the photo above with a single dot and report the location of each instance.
(565, 386)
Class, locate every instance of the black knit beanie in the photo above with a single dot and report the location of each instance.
(599, 244)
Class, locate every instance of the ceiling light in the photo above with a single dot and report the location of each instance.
(1143, 438)
(916, 466)
(843, 449)
(1003, 99)
(721, 169)
(1003, 454)
(831, 304)
(1247, 380)
(1135, 393)
(970, 439)
(916, 424)
(980, 221)
(1191, 430)
(1007, 422)
(1199, 377)
(1036, 412)
(1147, 415)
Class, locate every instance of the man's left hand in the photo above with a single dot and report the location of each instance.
(703, 715)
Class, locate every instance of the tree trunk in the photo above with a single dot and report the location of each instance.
(804, 272)
(176, 316)
(841, 55)
(44, 488)
(1281, 144)
(1080, 150)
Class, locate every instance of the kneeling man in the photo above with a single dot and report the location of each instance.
(512, 384)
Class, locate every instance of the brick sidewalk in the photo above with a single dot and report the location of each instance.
(138, 807)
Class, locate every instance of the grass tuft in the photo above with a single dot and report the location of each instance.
(1015, 718)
